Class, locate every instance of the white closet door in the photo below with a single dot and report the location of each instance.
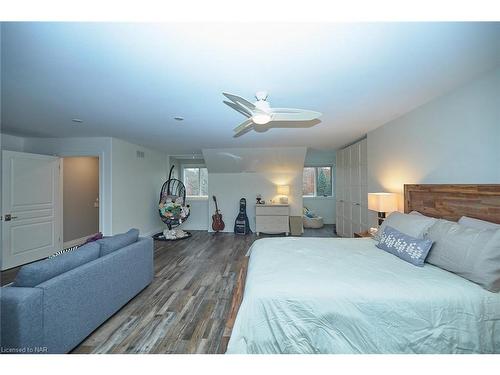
(347, 228)
(339, 191)
(339, 177)
(355, 164)
(356, 214)
(347, 210)
(347, 173)
(364, 218)
(346, 196)
(339, 217)
(351, 190)
(356, 194)
(363, 161)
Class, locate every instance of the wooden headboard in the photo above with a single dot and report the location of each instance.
(451, 202)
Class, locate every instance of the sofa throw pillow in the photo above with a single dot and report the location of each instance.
(410, 249)
(93, 238)
(32, 274)
(64, 251)
(113, 243)
(471, 253)
(415, 226)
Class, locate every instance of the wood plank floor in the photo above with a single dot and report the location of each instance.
(185, 308)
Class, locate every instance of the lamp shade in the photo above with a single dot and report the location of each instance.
(382, 202)
(283, 190)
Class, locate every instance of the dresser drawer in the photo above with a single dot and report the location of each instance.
(272, 211)
(272, 224)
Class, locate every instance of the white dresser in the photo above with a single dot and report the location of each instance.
(272, 218)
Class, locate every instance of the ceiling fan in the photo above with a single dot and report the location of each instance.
(260, 112)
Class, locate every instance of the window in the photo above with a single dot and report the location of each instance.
(317, 182)
(196, 181)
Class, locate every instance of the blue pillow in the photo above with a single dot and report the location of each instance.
(410, 249)
(110, 244)
(32, 274)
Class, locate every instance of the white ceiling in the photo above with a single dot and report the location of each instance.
(130, 80)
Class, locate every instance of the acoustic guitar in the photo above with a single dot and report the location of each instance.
(217, 222)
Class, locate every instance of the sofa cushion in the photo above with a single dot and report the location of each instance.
(110, 244)
(36, 273)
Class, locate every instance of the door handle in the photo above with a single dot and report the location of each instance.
(9, 217)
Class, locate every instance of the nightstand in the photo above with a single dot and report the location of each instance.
(363, 234)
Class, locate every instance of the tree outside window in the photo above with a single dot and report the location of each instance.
(324, 182)
(317, 182)
(196, 181)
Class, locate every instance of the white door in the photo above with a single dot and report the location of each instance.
(31, 205)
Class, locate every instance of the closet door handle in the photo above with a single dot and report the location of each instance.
(357, 204)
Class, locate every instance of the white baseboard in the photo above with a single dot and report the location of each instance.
(78, 241)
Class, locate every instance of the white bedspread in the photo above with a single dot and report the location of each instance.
(327, 295)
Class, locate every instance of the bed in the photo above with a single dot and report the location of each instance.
(329, 295)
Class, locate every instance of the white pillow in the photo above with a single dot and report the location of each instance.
(412, 225)
(477, 224)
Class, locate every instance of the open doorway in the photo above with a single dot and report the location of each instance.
(80, 199)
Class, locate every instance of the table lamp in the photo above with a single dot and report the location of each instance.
(283, 191)
(382, 203)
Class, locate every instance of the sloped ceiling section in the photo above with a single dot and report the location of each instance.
(255, 160)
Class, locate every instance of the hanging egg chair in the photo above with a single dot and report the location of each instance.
(172, 205)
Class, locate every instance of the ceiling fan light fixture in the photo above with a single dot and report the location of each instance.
(261, 118)
(260, 113)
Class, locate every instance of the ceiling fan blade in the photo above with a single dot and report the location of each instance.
(244, 125)
(239, 100)
(243, 131)
(245, 112)
(293, 114)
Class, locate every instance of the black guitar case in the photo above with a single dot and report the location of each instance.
(241, 224)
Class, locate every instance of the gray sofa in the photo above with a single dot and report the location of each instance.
(54, 304)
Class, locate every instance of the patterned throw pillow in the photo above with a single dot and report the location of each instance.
(61, 252)
(410, 249)
(93, 238)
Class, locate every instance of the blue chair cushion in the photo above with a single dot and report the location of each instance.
(410, 249)
(110, 244)
(32, 274)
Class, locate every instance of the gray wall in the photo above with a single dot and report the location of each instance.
(452, 139)
(81, 188)
(136, 187)
(12, 143)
